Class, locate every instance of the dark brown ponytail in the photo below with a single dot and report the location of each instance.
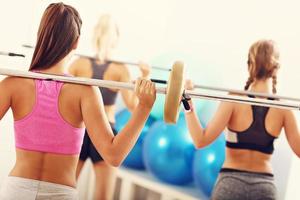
(58, 32)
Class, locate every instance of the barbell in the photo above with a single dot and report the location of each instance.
(5, 53)
(110, 60)
(205, 87)
(235, 91)
(173, 91)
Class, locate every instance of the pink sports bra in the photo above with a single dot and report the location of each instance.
(44, 129)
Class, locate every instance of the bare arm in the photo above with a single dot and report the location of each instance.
(5, 97)
(292, 131)
(114, 149)
(129, 97)
(204, 136)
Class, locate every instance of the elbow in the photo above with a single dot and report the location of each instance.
(114, 160)
(200, 142)
(111, 158)
(298, 154)
(296, 151)
(200, 145)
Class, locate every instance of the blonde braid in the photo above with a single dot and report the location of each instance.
(274, 82)
(248, 83)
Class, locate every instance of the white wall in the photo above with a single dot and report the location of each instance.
(14, 21)
(213, 37)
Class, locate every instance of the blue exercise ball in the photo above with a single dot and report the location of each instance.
(198, 69)
(207, 111)
(168, 152)
(207, 164)
(135, 157)
(157, 110)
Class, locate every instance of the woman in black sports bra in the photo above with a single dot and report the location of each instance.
(105, 38)
(251, 131)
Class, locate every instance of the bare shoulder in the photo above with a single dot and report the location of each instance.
(79, 66)
(120, 71)
(121, 68)
(230, 103)
(285, 112)
(227, 105)
(81, 61)
(12, 82)
(80, 90)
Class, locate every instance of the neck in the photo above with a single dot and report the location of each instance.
(104, 55)
(60, 67)
(264, 86)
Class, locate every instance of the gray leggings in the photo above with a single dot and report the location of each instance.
(241, 185)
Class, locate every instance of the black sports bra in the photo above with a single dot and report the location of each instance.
(255, 137)
(109, 96)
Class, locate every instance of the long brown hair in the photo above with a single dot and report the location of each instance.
(263, 60)
(58, 32)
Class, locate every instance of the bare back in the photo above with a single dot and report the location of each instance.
(240, 120)
(49, 167)
(115, 72)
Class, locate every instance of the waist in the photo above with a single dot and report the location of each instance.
(232, 170)
(47, 167)
(248, 160)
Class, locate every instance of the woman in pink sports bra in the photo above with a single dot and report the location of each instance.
(50, 116)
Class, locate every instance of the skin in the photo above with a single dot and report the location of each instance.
(77, 108)
(238, 117)
(82, 67)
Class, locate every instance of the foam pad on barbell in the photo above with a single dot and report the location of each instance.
(174, 93)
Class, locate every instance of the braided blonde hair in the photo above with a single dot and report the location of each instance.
(263, 60)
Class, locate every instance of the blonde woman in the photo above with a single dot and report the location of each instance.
(251, 131)
(50, 116)
(105, 39)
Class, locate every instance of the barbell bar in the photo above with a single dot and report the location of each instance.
(4, 53)
(205, 87)
(235, 91)
(257, 94)
(110, 60)
(173, 91)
